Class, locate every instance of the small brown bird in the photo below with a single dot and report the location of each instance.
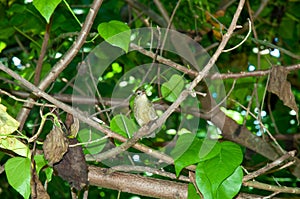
(144, 111)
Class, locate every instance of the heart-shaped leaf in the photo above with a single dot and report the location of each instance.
(116, 33)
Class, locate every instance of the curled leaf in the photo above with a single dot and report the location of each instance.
(282, 88)
(55, 145)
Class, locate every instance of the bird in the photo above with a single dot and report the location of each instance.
(144, 111)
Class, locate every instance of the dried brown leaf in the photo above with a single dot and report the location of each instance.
(282, 88)
(72, 124)
(55, 145)
(72, 167)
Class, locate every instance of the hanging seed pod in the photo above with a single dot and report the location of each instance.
(55, 145)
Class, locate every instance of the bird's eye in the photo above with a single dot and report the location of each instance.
(138, 93)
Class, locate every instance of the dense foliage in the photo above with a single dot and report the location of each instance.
(93, 56)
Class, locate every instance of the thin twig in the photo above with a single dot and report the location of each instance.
(82, 117)
(148, 129)
(64, 61)
(169, 25)
(39, 64)
(164, 60)
(271, 195)
(248, 34)
(269, 166)
(162, 11)
(271, 114)
(89, 142)
(250, 74)
(153, 15)
(266, 129)
(21, 100)
(268, 187)
(223, 100)
(20, 44)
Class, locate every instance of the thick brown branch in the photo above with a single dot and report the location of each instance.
(145, 186)
(158, 188)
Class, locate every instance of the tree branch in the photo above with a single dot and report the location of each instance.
(155, 17)
(191, 72)
(280, 189)
(64, 61)
(141, 185)
(39, 64)
(159, 188)
(147, 129)
(84, 118)
(269, 166)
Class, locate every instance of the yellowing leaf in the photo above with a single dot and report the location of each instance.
(15, 145)
(7, 123)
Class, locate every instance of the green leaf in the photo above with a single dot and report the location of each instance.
(46, 7)
(236, 116)
(15, 145)
(203, 182)
(116, 33)
(190, 150)
(40, 162)
(94, 147)
(182, 145)
(231, 185)
(7, 123)
(109, 75)
(192, 192)
(2, 46)
(122, 125)
(116, 67)
(6, 32)
(16, 8)
(18, 175)
(171, 89)
(212, 172)
(49, 173)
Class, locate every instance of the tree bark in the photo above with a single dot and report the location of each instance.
(136, 184)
